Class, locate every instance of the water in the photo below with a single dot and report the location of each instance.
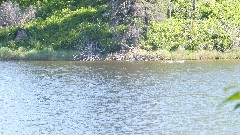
(150, 98)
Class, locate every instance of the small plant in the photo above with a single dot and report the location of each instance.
(233, 97)
(11, 14)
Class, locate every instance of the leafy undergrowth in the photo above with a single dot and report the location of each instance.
(209, 32)
(63, 25)
(214, 25)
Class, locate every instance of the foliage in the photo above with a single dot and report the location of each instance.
(63, 31)
(189, 34)
(233, 97)
(212, 26)
(108, 25)
(135, 15)
(165, 35)
(64, 28)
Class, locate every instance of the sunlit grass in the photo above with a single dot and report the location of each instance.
(45, 54)
(141, 55)
(183, 55)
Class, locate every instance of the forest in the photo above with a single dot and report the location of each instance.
(38, 29)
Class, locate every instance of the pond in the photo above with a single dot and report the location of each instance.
(105, 98)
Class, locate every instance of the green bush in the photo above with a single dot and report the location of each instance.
(65, 29)
(213, 26)
(166, 35)
(73, 25)
(70, 29)
(189, 34)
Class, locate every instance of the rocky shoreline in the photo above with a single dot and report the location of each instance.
(135, 55)
(171, 57)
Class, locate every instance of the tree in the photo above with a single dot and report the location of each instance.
(135, 15)
(11, 14)
(126, 13)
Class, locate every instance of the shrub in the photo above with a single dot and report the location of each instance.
(213, 26)
(74, 25)
(166, 35)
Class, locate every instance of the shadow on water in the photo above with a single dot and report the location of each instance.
(116, 97)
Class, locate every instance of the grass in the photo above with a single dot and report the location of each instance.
(182, 54)
(45, 54)
(140, 54)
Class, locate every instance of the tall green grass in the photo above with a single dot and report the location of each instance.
(33, 54)
(50, 54)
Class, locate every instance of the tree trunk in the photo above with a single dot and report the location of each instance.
(169, 12)
(194, 5)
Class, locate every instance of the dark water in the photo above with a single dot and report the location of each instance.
(150, 98)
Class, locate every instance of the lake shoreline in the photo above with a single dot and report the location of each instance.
(7, 54)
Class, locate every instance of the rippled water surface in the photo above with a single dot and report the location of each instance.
(103, 98)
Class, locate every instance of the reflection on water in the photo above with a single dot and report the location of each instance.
(117, 98)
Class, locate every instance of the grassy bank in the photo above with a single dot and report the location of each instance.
(143, 55)
(135, 55)
(45, 54)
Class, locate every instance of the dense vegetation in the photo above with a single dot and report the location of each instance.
(105, 26)
(213, 25)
